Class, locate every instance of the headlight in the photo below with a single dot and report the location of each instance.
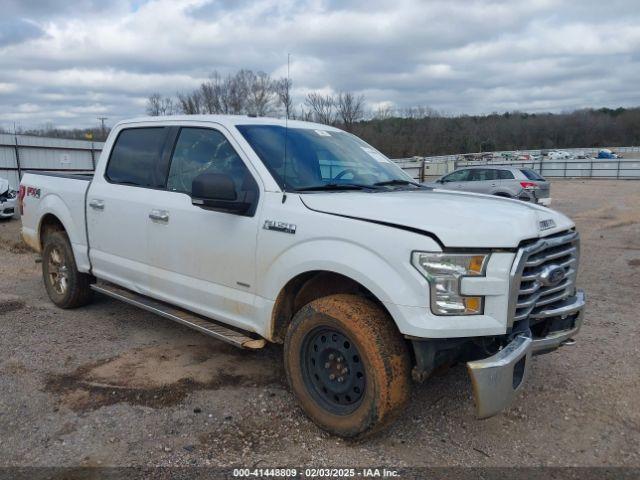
(444, 271)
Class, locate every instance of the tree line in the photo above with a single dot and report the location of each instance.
(437, 134)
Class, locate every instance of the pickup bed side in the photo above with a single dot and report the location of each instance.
(51, 201)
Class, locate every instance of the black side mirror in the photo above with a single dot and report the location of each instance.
(441, 180)
(217, 191)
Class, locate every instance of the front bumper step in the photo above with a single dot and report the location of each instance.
(497, 379)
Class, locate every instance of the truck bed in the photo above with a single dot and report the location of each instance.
(63, 195)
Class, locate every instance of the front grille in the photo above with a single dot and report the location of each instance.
(7, 211)
(532, 290)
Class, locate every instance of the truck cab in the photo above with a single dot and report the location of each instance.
(256, 230)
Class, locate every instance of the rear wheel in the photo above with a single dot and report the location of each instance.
(347, 364)
(65, 285)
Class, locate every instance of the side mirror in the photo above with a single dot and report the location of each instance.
(217, 191)
(441, 180)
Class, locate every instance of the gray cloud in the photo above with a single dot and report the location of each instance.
(68, 62)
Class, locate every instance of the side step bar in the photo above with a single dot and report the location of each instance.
(185, 317)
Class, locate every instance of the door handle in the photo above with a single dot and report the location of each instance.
(159, 215)
(97, 204)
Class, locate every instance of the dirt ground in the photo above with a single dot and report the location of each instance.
(112, 385)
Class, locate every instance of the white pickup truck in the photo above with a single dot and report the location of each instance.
(255, 230)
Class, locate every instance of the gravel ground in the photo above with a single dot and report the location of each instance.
(112, 385)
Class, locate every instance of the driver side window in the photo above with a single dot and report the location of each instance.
(203, 150)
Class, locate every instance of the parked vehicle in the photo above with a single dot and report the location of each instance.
(605, 153)
(510, 182)
(558, 155)
(7, 199)
(253, 230)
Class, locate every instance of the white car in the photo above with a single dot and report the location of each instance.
(255, 230)
(7, 199)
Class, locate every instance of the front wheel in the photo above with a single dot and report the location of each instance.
(65, 285)
(347, 364)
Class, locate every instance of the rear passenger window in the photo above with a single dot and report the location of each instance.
(482, 175)
(136, 158)
(505, 175)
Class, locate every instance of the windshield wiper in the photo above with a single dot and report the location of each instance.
(334, 186)
(397, 181)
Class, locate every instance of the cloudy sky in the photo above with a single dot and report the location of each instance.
(67, 62)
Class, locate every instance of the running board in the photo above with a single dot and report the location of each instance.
(189, 319)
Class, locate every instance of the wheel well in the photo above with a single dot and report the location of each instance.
(305, 288)
(49, 224)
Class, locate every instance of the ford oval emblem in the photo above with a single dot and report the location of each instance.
(552, 275)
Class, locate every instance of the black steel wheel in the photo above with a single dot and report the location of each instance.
(347, 364)
(333, 370)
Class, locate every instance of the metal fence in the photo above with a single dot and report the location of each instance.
(19, 153)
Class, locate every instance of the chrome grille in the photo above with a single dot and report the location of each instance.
(532, 292)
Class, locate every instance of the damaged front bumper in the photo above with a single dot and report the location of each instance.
(497, 379)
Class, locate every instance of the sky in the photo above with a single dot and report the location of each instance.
(65, 62)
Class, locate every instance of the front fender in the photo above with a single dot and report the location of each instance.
(389, 283)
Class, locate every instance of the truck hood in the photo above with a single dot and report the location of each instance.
(457, 219)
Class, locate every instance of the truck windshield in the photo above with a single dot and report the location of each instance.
(323, 160)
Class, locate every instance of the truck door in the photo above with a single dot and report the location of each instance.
(118, 204)
(204, 260)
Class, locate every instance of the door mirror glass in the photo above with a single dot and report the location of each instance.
(217, 191)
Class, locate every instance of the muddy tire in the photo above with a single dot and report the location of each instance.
(347, 364)
(65, 285)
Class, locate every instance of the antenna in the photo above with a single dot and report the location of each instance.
(286, 125)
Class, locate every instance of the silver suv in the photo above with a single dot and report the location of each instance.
(511, 182)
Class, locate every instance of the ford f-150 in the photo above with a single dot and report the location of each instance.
(256, 230)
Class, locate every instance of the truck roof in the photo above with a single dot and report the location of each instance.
(227, 121)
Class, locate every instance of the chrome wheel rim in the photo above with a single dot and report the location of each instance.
(58, 271)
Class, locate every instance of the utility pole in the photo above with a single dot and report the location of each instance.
(102, 130)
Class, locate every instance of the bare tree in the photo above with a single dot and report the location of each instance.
(158, 105)
(261, 94)
(349, 108)
(212, 92)
(191, 103)
(383, 112)
(322, 107)
(283, 90)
